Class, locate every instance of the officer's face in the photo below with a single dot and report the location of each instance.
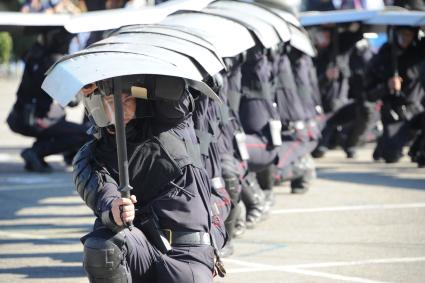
(322, 38)
(405, 37)
(128, 104)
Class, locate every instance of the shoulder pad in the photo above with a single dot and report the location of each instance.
(182, 151)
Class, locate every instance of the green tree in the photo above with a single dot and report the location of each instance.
(6, 46)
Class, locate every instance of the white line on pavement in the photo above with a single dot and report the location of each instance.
(328, 264)
(24, 236)
(333, 276)
(349, 208)
(249, 267)
(360, 262)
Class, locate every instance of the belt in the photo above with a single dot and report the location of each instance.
(186, 238)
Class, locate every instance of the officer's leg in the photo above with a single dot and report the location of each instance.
(329, 134)
(232, 185)
(105, 257)
(188, 264)
(240, 225)
(253, 198)
(417, 147)
(111, 257)
(420, 155)
(362, 121)
(261, 155)
(266, 181)
(305, 173)
(396, 136)
(61, 137)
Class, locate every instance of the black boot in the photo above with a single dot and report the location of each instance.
(240, 225)
(319, 152)
(230, 223)
(307, 173)
(34, 163)
(253, 198)
(266, 180)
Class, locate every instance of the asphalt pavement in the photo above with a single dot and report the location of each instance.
(361, 222)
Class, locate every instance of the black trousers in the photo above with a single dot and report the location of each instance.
(355, 118)
(189, 264)
(395, 137)
(61, 137)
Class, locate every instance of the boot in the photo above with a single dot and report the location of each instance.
(230, 223)
(265, 180)
(253, 198)
(302, 183)
(34, 163)
(240, 226)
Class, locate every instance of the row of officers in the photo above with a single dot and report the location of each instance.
(204, 171)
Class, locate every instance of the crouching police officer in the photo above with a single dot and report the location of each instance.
(170, 207)
(401, 92)
(36, 115)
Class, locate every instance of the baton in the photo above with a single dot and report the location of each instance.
(124, 186)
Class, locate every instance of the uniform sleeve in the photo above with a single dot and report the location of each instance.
(376, 75)
(93, 183)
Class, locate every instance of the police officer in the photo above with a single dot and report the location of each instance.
(207, 120)
(170, 207)
(410, 4)
(401, 92)
(333, 69)
(355, 117)
(417, 149)
(35, 114)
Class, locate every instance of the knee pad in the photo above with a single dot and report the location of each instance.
(104, 259)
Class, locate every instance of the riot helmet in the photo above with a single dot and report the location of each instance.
(140, 94)
(405, 36)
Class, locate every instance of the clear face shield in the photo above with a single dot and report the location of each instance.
(137, 95)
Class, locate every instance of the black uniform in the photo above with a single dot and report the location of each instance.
(257, 110)
(335, 93)
(397, 111)
(173, 192)
(53, 134)
(352, 120)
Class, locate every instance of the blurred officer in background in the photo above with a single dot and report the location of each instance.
(401, 92)
(410, 4)
(35, 114)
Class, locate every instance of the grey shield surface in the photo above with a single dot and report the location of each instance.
(115, 18)
(209, 61)
(179, 32)
(301, 41)
(262, 30)
(83, 69)
(334, 17)
(259, 12)
(229, 37)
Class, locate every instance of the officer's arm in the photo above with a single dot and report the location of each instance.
(376, 82)
(95, 186)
